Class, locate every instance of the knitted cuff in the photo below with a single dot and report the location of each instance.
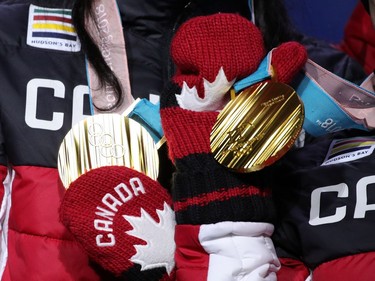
(187, 132)
(214, 194)
(205, 192)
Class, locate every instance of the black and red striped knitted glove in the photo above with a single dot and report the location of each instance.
(204, 191)
(224, 219)
(210, 53)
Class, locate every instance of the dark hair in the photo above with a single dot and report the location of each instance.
(82, 10)
(273, 20)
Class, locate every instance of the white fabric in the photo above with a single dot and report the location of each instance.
(239, 251)
(4, 217)
(215, 94)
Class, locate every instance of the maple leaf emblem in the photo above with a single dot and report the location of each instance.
(159, 237)
(214, 94)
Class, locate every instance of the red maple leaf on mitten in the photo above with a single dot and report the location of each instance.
(224, 219)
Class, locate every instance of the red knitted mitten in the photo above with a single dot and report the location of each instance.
(124, 221)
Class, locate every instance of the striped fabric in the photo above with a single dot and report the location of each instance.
(52, 29)
(53, 23)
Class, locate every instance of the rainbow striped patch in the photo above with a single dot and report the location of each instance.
(346, 150)
(52, 29)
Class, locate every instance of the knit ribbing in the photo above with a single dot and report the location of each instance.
(205, 44)
(287, 60)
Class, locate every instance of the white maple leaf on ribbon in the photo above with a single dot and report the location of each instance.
(159, 237)
(214, 94)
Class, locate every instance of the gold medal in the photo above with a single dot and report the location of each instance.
(257, 127)
(106, 140)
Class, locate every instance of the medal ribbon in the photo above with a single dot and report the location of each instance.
(263, 72)
(106, 30)
(108, 35)
(332, 103)
(148, 115)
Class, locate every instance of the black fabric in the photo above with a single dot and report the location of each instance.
(299, 188)
(253, 209)
(333, 59)
(22, 66)
(146, 30)
(133, 274)
(200, 175)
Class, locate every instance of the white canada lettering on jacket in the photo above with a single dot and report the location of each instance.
(109, 207)
(33, 95)
(342, 190)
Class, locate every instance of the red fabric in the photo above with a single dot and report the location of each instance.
(199, 49)
(187, 132)
(349, 268)
(292, 270)
(204, 44)
(359, 38)
(79, 212)
(191, 259)
(287, 60)
(34, 227)
(357, 267)
(53, 18)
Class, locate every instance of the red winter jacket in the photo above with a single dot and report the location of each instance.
(43, 91)
(359, 38)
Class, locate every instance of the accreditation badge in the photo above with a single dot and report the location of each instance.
(107, 140)
(257, 127)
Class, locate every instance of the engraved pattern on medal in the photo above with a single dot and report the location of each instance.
(241, 144)
(104, 142)
(257, 127)
(274, 101)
